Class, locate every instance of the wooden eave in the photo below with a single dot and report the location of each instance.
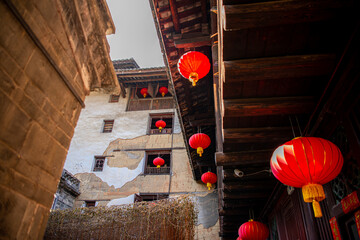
(184, 26)
(274, 62)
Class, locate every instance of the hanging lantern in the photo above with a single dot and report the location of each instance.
(194, 66)
(253, 230)
(144, 92)
(158, 162)
(307, 162)
(163, 91)
(209, 178)
(199, 141)
(160, 124)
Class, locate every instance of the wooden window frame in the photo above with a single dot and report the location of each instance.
(148, 197)
(98, 167)
(108, 125)
(166, 130)
(151, 169)
(90, 203)
(152, 101)
(114, 98)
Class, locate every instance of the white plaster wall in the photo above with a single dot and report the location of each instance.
(120, 201)
(89, 141)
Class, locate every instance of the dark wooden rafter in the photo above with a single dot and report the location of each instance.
(265, 134)
(268, 106)
(193, 42)
(245, 16)
(243, 158)
(174, 14)
(246, 185)
(279, 67)
(246, 195)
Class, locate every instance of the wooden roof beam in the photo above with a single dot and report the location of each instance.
(142, 80)
(193, 42)
(260, 194)
(265, 14)
(266, 134)
(174, 14)
(268, 106)
(284, 67)
(243, 158)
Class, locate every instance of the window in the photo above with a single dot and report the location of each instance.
(150, 168)
(90, 203)
(108, 126)
(114, 98)
(146, 197)
(153, 101)
(99, 163)
(167, 118)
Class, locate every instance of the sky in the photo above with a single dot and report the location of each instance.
(135, 34)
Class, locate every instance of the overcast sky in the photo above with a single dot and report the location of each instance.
(135, 34)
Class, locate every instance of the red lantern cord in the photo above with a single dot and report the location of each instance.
(194, 66)
(307, 162)
(144, 92)
(209, 178)
(199, 141)
(160, 124)
(163, 91)
(158, 162)
(253, 230)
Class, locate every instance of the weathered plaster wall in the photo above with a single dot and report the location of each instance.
(123, 172)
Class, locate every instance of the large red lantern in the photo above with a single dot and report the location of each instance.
(144, 92)
(158, 162)
(209, 178)
(253, 230)
(160, 124)
(199, 141)
(307, 162)
(194, 66)
(163, 91)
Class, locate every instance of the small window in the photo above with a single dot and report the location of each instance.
(150, 197)
(108, 126)
(90, 203)
(150, 168)
(99, 164)
(114, 98)
(167, 118)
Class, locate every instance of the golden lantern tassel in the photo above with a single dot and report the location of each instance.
(317, 209)
(200, 151)
(208, 185)
(144, 95)
(194, 77)
(158, 166)
(160, 129)
(314, 193)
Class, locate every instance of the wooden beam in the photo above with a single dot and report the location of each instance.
(174, 14)
(285, 67)
(142, 80)
(142, 75)
(267, 134)
(246, 185)
(243, 158)
(265, 14)
(268, 106)
(193, 42)
(235, 212)
(246, 195)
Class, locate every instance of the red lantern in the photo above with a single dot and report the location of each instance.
(194, 66)
(144, 92)
(163, 91)
(160, 124)
(158, 162)
(199, 141)
(307, 162)
(253, 230)
(209, 178)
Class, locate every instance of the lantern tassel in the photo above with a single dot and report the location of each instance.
(194, 77)
(163, 94)
(160, 129)
(317, 209)
(200, 151)
(208, 185)
(144, 95)
(314, 193)
(158, 166)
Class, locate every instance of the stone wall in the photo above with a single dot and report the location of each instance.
(68, 190)
(45, 76)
